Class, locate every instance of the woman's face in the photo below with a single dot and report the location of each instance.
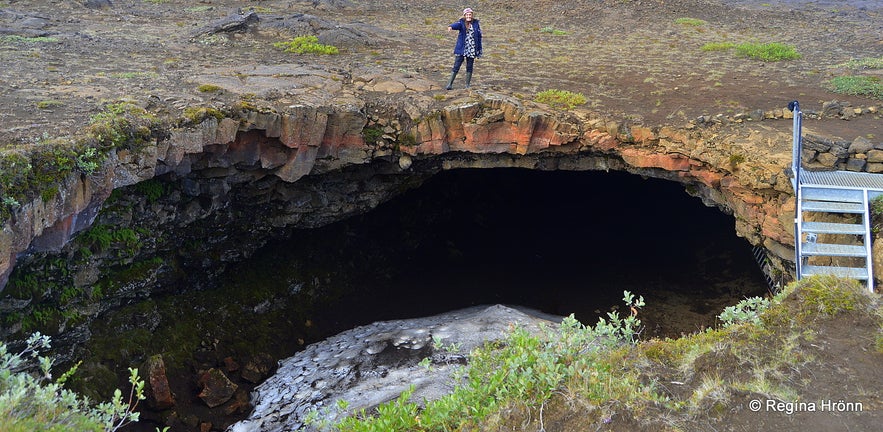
(468, 16)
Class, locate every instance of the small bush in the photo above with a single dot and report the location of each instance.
(89, 160)
(857, 85)
(372, 134)
(33, 402)
(209, 88)
(49, 104)
(560, 98)
(306, 45)
(773, 51)
(746, 311)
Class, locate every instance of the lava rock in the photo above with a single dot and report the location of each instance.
(158, 383)
(216, 387)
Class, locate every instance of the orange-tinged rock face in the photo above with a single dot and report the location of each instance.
(302, 140)
(641, 158)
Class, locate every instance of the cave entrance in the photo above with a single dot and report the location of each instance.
(561, 242)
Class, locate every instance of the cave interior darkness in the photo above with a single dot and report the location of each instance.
(560, 242)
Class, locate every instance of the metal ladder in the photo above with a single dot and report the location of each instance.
(844, 247)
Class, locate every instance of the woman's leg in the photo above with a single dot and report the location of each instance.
(458, 61)
(469, 63)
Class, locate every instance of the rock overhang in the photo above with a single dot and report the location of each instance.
(485, 129)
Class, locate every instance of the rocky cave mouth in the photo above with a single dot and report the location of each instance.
(560, 242)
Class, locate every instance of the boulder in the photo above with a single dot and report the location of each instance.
(373, 364)
(216, 387)
(160, 394)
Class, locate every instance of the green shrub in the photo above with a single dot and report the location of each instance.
(560, 98)
(773, 51)
(746, 311)
(49, 104)
(209, 88)
(89, 160)
(306, 45)
(33, 402)
(858, 85)
(372, 134)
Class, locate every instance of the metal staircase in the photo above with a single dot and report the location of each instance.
(841, 245)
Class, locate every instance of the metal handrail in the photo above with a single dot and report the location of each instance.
(797, 148)
(794, 106)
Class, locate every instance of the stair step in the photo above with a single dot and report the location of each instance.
(833, 207)
(859, 273)
(833, 228)
(831, 249)
(827, 194)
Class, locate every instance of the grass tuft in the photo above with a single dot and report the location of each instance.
(863, 63)
(694, 22)
(553, 31)
(560, 98)
(858, 85)
(718, 46)
(306, 45)
(769, 52)
(209, 88)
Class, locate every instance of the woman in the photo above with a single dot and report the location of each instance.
(468, 45)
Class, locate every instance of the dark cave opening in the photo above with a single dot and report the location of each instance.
(561, 242)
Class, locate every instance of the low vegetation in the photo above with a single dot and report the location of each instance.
(562, 99)
(38, 168)
(692, 22)
(595, 374)
(30, 400)
(768, 52)
(306, 45)
(553, 31)
(864, 63)
(16, 39)
(858, 85)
